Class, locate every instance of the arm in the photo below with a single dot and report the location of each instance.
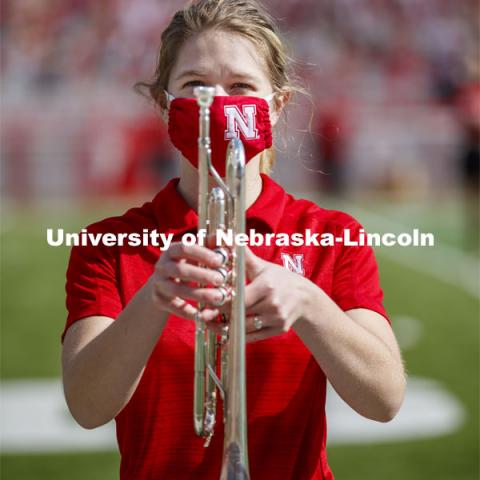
(103, 360)
(358, 352)
(356, 349)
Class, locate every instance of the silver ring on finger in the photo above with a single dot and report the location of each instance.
(257, 322)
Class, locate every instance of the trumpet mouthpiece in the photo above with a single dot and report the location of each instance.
(204, 95)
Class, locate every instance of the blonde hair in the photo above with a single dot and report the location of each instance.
(244, 17)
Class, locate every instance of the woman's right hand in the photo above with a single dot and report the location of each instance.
(171, 281)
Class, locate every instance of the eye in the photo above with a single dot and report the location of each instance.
(194, 83)
(242, 86)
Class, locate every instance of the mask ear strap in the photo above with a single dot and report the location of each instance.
(169, 97)
(270, 97)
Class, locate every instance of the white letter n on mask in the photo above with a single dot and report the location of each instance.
(245, 121)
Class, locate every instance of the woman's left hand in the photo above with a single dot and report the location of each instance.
(274, 300)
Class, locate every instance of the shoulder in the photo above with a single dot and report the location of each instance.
(300, 213)
(133, 220)
(308, 214)
(151, 215)
(105, 240)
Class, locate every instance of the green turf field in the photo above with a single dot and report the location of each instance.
(33, 314)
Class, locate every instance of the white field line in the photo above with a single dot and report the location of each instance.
(442, 262)
(34, 418)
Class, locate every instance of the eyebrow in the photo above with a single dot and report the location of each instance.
(191, 73)
(200, 73)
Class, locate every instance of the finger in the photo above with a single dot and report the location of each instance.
(189, 312)
(254, 293)
(170, 289)
(179, 307)
(196, 253)
(225, 308)
(278, 315)
(262, 334)
(188, 272)
(208, 315)
(180, 303)
(251, 325)
(253, 264)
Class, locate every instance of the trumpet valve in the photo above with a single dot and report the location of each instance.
(224, 273)
(225, 296)
(224, 253)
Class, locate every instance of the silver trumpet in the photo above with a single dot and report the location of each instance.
(222, 208)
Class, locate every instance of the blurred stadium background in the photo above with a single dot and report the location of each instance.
(392, 121)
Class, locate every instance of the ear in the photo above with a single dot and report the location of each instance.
(279, 102)
(164, 115)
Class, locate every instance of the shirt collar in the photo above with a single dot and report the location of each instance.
(174, 215)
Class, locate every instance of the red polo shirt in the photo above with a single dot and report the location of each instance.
(285, 385)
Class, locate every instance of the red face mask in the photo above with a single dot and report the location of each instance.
(246, 118)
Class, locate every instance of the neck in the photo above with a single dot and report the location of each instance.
(188, 185)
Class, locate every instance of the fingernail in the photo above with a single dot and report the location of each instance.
(211, 315)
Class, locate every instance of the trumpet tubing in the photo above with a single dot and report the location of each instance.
(222, 207)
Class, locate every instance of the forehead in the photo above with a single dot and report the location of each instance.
(221, 54)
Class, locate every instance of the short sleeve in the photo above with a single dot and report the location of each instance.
(91, 284)
(356, 282)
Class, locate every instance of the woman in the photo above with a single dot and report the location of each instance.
(129, 339)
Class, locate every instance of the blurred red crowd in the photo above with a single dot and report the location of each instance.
(435, 41)
(349, 53)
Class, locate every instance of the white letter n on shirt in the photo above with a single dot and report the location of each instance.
(294, 263)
